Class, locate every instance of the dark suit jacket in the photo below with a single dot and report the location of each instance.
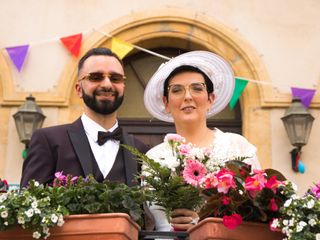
(66, 148)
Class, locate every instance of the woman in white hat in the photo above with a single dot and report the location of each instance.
(187, 90)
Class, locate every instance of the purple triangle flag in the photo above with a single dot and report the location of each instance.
(305, 95)
(18, 55)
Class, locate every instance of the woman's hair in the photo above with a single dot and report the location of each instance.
(187, 68)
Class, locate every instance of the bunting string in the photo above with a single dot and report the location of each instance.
(73, 44)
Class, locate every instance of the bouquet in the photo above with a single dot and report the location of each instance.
(300, 216)
(165, 178)
(191, 177)
(39, 207)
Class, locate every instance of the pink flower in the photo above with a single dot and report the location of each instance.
(272, 205)
(184, 149)
(209, 181)
(172, 137)
(255, 183)
(193, 172)
(316, 190)
(232, 221)
(226, 200)
(225, 180)
(273, 183)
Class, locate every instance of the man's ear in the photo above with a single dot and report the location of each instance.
(165, 102)
(78, 89)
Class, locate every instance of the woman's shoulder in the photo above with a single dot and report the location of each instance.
(235, 142)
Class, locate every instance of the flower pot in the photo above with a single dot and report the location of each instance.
(213, 228)
(116, 226)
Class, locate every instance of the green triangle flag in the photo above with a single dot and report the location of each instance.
(238, 89)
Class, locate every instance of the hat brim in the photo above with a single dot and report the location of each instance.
(214, 66)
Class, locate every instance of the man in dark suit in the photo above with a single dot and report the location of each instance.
(91, 144)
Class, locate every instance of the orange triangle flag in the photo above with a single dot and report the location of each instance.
(73, 43)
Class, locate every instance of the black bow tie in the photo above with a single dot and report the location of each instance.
(105, 136)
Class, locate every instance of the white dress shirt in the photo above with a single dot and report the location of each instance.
(105, 154)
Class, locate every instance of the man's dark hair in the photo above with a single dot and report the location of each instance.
(187, 68)
(97, 52)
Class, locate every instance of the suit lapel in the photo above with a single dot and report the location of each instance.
(130, 164)
(81, 146)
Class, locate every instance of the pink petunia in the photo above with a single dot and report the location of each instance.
(232, 221)
(194, 172)
(225, 180)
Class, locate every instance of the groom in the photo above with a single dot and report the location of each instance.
(91, 144)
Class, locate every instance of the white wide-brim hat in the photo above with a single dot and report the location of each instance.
(214, 66)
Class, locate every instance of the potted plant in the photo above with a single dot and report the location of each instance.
(67, 202)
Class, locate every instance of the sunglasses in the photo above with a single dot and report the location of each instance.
(180, 90)
(99, 77)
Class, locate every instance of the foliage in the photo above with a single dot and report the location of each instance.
(300, 216)
(39, 207)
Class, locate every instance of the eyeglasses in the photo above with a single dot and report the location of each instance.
(99, 77)
(180, 90)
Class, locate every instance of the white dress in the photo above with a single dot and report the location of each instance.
(226, 146)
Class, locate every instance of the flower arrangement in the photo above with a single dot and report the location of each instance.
(193, 178)
(300, 216)
(39, 207)
(165, 179)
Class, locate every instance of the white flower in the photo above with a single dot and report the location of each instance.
(310, 203)
(312, 222)
(275, 223)
(34, 204)
(60, 221)
(36, 235)
(240, 192)
(285, 222)
(318, 236)
(287, 203)
(21, 220)
(37, 211)
(4, 214)
(29, 213)
(301, 225)
(54, 218)
(170, 162)
(3, 197)
(6, 223)
(36, 184)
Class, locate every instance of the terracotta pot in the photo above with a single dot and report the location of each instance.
(115, 226)
(213, 228)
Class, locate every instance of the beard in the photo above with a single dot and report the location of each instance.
(104, 107)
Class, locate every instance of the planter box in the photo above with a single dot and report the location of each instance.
(115, 226)
(213, 228)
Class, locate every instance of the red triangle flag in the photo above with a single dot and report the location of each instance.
(73, 43)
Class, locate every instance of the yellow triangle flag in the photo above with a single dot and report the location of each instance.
(120, 48)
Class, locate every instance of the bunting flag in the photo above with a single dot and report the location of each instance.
(17, 55)
(120, 48)
(73, 43)
(238, 89)
(304, 94)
